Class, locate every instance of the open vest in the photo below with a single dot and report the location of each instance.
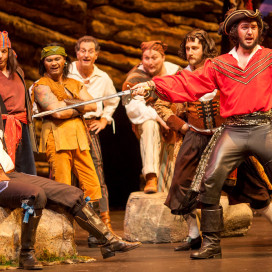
(69, 134)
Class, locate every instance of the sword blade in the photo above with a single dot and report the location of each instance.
(49, 112)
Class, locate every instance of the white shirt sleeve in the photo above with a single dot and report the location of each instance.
(138, 112)
(35, 107)
(110, 105)
(5, 159)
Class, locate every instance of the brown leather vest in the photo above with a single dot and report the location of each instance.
(205, 114)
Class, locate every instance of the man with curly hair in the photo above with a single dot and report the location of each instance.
(197, 122)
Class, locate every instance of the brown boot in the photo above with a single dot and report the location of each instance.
(92, 241)
(27, 258)
(151, 184)
(105, 217)
(91, 222)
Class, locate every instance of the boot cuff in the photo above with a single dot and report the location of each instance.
(212, 220)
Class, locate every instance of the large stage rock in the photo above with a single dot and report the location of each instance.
(148, 220)
(237, 218)
(55, 234)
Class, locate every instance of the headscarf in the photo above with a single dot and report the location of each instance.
(237, 16)
(53, 50)
(154, 45)
(5, 41)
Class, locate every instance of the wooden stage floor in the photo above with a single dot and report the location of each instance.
(252, 252)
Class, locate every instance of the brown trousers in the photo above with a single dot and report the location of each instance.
(41, 191)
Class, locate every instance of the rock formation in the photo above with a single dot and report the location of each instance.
(148, 220)
(55, 234)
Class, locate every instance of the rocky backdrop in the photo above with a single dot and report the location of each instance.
(119, 25)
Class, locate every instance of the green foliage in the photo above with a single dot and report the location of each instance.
(4, 263)
(46, 256)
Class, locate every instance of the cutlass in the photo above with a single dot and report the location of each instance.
(49, 112)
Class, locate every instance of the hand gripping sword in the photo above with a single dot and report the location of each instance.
(72, 106)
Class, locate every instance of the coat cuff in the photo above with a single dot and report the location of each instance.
(175, 123)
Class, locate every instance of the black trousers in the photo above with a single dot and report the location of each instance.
(24, 157)
(235, 144)
(187, 161)
(250, 187)
(42, 191)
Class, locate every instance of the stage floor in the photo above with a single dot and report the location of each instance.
(252, 252)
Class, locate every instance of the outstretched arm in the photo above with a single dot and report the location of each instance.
(182, 87)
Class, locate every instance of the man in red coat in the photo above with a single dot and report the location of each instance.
(244, 78)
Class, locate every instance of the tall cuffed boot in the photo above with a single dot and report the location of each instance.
(211, 226)
(27, 258)
(92, 241)
(110, 243)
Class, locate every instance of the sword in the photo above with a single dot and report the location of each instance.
(49, 112)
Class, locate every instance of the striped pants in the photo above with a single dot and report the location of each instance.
(95, 151)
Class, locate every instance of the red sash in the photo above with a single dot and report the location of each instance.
(13, 131)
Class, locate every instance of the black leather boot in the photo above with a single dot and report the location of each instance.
(90, 221)
(27, 258)
(189, 243)
(211, 226)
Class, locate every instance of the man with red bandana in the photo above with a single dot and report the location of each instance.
(144, 118)
(16, 109)
(244, 78)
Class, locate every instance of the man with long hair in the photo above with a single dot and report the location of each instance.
(243, 77)
(197, 122)
(16, 108)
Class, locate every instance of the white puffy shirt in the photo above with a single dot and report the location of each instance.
(99, 85)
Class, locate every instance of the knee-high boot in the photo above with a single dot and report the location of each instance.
(92, 241)
(211, 226)
(91, 222)
(27, 258)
